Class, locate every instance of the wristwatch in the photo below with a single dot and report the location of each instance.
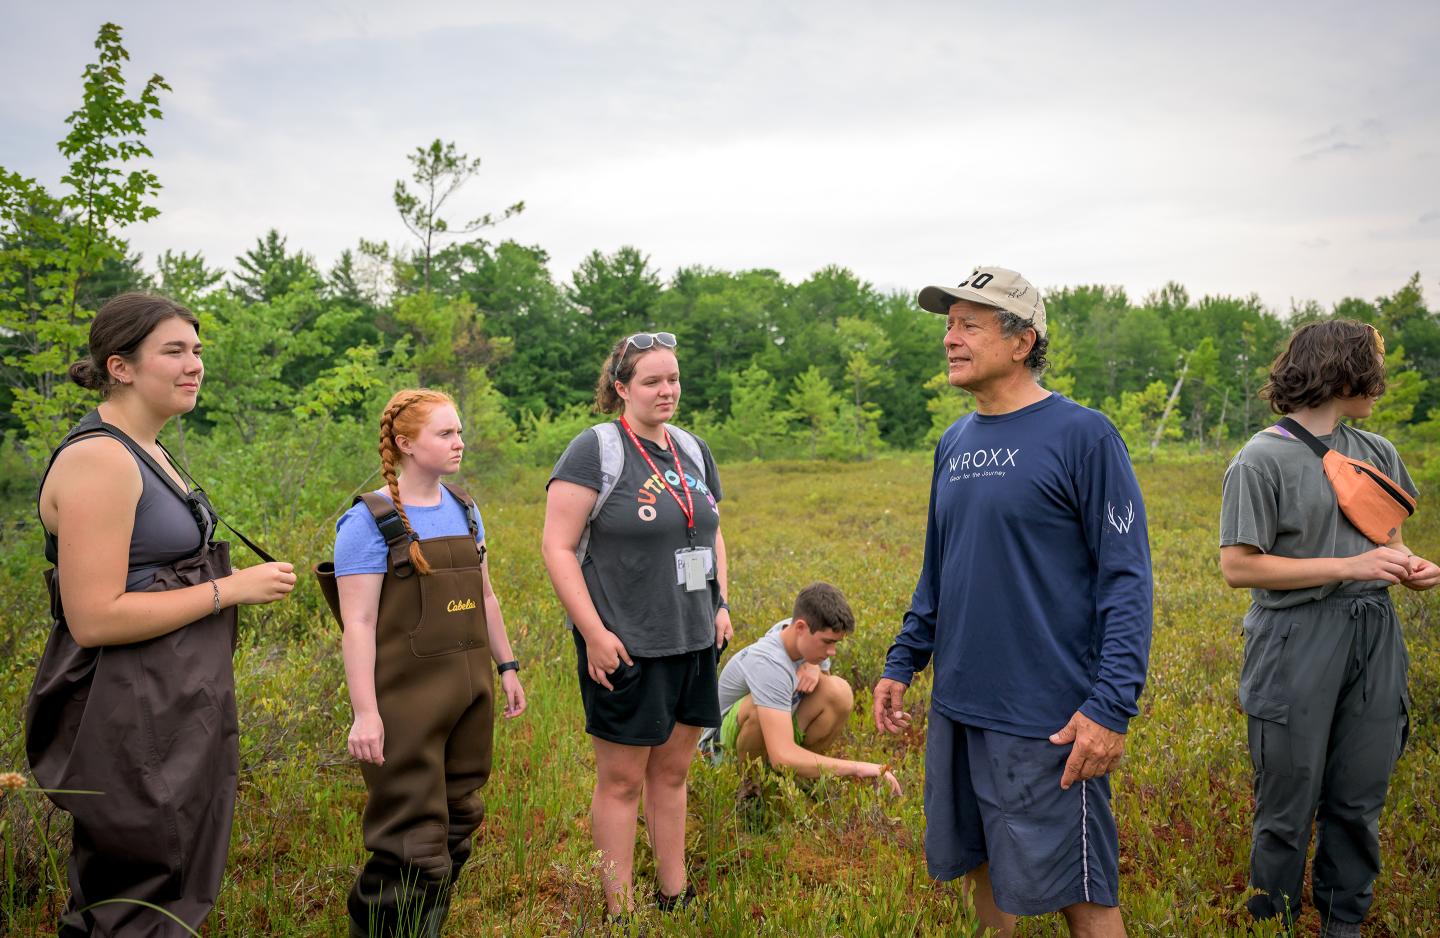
(511, 665)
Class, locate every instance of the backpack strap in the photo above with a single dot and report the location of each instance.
(1293, 427)
(690, 446)
(392, 529)
(612, 463)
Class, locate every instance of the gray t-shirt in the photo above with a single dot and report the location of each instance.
(630, 570)
(1276, 497)
(765, 671)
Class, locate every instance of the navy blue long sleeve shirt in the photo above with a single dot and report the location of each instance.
(1035, 597)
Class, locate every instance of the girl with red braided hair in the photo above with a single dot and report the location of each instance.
(422, 631)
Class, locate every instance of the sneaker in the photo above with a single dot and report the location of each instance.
(684, 900)
(1334, 928)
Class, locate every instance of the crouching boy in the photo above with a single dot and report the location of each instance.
(779, 702)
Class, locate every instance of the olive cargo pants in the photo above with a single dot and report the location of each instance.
(1324, 685)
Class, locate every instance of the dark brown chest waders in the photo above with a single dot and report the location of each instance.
(434, 686)
(152, 726)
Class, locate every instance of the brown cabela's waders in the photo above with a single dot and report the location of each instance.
(150, 725)
(434, 686)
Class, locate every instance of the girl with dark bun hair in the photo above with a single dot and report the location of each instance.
(135, 694)
(1324, 676)
(633, 547)
(423, 630)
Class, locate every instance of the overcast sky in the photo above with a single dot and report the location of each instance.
(1286, 149)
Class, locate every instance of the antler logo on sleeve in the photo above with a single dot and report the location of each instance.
(1121, 524)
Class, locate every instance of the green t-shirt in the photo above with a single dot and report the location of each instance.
(1276, 497)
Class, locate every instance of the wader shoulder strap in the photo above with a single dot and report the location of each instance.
(89, 425)
(468, 503)
(200, 508)
(392, 529)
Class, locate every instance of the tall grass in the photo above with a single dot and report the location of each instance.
(836, 858)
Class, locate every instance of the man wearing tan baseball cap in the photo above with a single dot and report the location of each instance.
(1034, 602)
(990, 286)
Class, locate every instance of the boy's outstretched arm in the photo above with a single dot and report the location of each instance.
(782, 750)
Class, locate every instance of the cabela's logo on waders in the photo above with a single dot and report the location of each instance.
(459, 605)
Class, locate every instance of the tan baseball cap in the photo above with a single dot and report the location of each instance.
(990, 286)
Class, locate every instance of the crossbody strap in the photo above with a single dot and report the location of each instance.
(1292, 426)
(199, 491)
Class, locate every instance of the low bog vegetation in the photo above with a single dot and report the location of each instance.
(835, 859)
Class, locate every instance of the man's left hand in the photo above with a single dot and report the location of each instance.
(1097, 749)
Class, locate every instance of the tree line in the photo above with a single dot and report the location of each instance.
(825, 367)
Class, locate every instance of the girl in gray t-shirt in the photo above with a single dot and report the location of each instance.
(1323, 682)
(647, 598)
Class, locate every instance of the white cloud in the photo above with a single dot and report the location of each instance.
(1120, 143)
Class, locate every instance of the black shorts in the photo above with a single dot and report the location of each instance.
(650, 696)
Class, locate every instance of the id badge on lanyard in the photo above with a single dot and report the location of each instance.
(694, 568)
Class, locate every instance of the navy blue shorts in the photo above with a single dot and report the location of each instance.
(996, 798)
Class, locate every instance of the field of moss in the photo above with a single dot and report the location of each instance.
(836, 858)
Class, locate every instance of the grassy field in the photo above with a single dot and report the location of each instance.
(838, 859)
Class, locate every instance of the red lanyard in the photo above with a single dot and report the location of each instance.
(687, 507)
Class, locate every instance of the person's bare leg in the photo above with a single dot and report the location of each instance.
(749, 739)
(1088, 920)
(665, 803)
(823, 712)
(975, 885)
(619, 778)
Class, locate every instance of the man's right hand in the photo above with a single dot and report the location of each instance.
(890, 715)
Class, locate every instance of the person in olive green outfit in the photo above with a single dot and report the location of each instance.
(1323, 681)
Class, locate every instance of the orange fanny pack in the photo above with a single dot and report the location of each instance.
(1372, 501)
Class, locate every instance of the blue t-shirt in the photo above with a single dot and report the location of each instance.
(359, 548)
(1035, 596)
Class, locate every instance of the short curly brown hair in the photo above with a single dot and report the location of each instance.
(824, 609)
(1325, 360)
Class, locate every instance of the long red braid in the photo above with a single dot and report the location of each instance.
(406, 415)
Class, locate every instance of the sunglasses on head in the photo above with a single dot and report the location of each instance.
(642, 341)
(646, 340)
